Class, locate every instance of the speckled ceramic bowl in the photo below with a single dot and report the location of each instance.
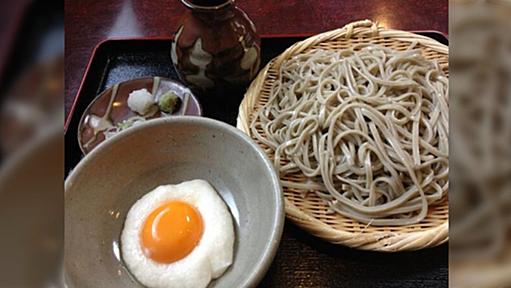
(106, 183)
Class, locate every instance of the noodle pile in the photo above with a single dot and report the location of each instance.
(367, 126)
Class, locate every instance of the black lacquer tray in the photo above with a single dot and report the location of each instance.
(302, 260)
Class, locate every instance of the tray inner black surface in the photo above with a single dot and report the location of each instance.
(302, 260)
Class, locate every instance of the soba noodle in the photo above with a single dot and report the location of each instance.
(367, 126)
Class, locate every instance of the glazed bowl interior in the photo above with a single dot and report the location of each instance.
(106, 183)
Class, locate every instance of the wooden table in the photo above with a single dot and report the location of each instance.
(302, 260)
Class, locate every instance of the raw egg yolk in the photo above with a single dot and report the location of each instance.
(171, 232)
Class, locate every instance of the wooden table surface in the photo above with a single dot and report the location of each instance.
(302, 260)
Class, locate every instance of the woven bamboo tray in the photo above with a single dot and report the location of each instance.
(310, 212)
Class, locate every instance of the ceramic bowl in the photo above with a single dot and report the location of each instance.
(105, 184)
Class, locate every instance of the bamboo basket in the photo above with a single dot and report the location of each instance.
(310, 212)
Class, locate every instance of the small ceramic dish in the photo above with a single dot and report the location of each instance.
(111, 108)
(104, 185)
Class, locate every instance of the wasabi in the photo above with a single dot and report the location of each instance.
(169, 102)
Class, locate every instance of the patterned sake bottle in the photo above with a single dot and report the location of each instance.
(215, 45)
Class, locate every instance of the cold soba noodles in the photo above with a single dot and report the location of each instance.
(367, 126)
